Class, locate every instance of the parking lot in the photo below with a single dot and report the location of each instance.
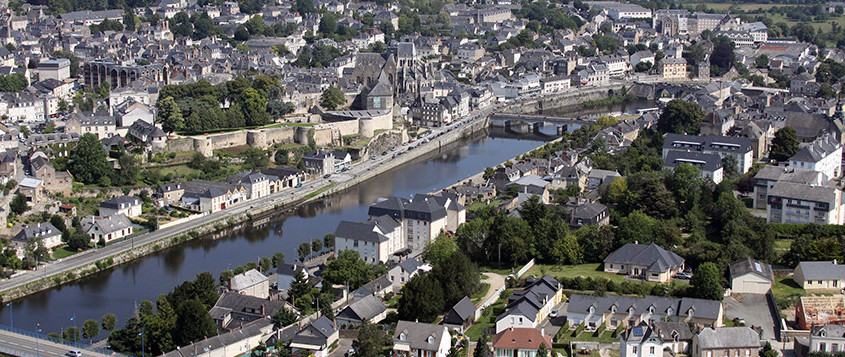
(755, 309)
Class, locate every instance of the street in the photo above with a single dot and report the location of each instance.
(26, 346)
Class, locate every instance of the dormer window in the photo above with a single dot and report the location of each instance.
(402, 336)
(430, 339)
(822, 333)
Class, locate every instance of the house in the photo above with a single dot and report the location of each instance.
(672, 68)
(126, 205)
(285, 177)
(422, 218)
(369, 308)
(749, 276)
(740, 149)
(378, 287)
(375, 240)
(148, 134)
(769, 175)
(676, 335)
(532, 185)
(107, 229)
(404, 271)
(726, 342)
(32, 189)
(54, 181)
(589, 214)
(519, 342)
(531, 305)
(819, 310)
(232, 310)
(324, 162)
(316, 338)
(789, 202)
(597, 178)
(709, 165)
(649, 262)
(255, 184)
(593, 311)
(823, 155)
(462, 315)
(828, 338)
(640, 341)
(820, 276)
(44, 234)
(101, 125)
(170, 193)
(252, 283)
(286, 274)
(416, 339)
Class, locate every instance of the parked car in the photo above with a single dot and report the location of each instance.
(553, 313)
(73, 353)
(683, 275)
(739, 321)
(327, 175)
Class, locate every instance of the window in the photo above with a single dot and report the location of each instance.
(635, 349)
(822, 347)
(651, 350)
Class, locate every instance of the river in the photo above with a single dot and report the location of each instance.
(119, 289)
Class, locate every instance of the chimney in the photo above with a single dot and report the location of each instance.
(542, 331)
(262, 309)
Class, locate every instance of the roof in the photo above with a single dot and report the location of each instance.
(728, 337)
(716, 143)
(105, 225)
(531, 180)
(38, 231)
(316, 333)
(521, 338)
(373, 287)
(751, 266)
(588, 210)
(30, 182)
(120, 202)
(365, 308)
(663, 306)
(247, 279)
(652, 256)
(788, 174)
(459, 313)
(668, 329)
(821, 270)
(804, 192)
(705, 162)
(371, 231)
(417, 334)
(817, 150)
(410, 264)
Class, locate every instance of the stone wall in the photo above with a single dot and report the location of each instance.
(563, 100)
(180, 145)
(368, 127)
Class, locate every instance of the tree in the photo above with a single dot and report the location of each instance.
(730, 167)
(762, 61)
(328, 24)
(439, 250)
(370, 340)
(332, 98)
(284, 317)
(543, 350)
(88, 161)
(78, 240)
(482, 347)
(278, 259)
(825, 91)
(706, 282)
(328, 240)
(255, 159)
(254, 107)
(109, 321)
(300, 287)
(90, 329)
(785, 144)
(71, 334)
(722, 57)
(768, 351)
(680, 117)
(317, 245)
(18, 204)
(128, 173)
(170, 116)
(349, 268)
(58, 222)
(458, 277)
(422, 299)
(304, 251)
(194, 322)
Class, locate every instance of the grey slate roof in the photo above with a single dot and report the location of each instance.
(459, 313)
(831, 330)
(709, 143)
(652, 256)
(728, 337)
(371, 288)
(247, 279)
(120, 202)
(588, 210)
(370, 231)
(363, 309)
(804, 192)
(36, 232)
(780, 173)
(705, 162)
(822, 270)
(417, 333)
(748, 265)
(107, 225)
(410, 264)
(817, 150)
(667, 330)
(315, 333)
(707, 309)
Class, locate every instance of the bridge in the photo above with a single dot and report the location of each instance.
(22, 343)
(524, 123)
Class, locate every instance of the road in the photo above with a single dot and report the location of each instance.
(83, 259)
(26, 346)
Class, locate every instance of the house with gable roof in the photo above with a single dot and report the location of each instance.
(649, 262)
(820, 276)
(107, 229)
(125, 205)
(462, 315)
(315, 338)
(630, 311)
(232, 311)
(45, 233)
(828, 338)
(726, 342)
(369, 308)
(515, 342)
(823, 155)
(375, 240)
(404, 271)
(529, 306)
(640, 341)
(252, 283)
(751, 276)
(414, 339)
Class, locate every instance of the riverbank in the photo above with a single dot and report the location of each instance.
(220, 223)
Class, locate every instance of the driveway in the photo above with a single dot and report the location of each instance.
(496, 281)
(755, 309)
(552, 325)
(343, 345)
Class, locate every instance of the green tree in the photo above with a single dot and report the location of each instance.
(762, 61)
(768, 351)
(422, 299)
(730, 167)
(169, 115)
(254, 107)
(785, 144)
(88, 161)
(58, 222)
(284, 317)
(332, 98)
(328, 240)
(349, 268)
(90, 329)
(255, 159)
(370, 341)
(128, 173)
(328, 24)
(458, 277)
(681, 117)
(706, 282)
(109, 321)
(317, 245)
(278, 259)
(300, 287)
(439, 250)
(482, 347)
(71, 334)
(543, 350)
(18, 204)
(78, 240)
(825, 91)
(194, 322)
(304, 251)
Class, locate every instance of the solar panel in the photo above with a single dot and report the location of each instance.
(638, 331)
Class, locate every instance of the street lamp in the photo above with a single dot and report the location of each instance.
(37, 331)
(142, 342)
(75, 332)
(11, 319)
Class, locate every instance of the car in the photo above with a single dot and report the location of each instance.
(553, 313)
(73, 353)
(350, 352)
(384, 153)
(327, 175)
(683, 275)
(739, 321)
(299, 185)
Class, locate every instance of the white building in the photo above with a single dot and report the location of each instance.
(422, 218)
(823, 155)
(797, 203)
(554, 84)
(739, 148)
(107, 229)
(375, 240)
(58, 69)
(125, 205)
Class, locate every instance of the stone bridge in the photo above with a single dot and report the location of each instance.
(524, 123)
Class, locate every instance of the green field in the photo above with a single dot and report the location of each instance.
(722, 7)
(485, 287)
(62, 252)
(785, 286)
(593, 270)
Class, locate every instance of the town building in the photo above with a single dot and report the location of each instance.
(749, 276)
(709, 165)
(648, 262)
(461, 316)
(107, 229)
(630, 311)
(726, 342)
(252, 283)
(233, 311)
(797, 203)
(416, 339)
(526, 308)
(818, 310)
(823, 155)
(369, 308)
(316, 338)
(126, 205)
(375, 240)
(520, 342)
(769, 175)
(740, 149)
(44, 234)
(820, 276)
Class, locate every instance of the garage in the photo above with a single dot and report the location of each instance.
(749, 276)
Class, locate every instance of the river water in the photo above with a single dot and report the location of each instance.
(118, 290)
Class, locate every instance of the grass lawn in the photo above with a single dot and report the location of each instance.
(743, 7)
(481, 293)
(62, 252)
(474, 332)
(234, 150)
(394, 301)
(785, 286)
(315, 193)
(571, 271)
(497, 270)
(782, 244)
